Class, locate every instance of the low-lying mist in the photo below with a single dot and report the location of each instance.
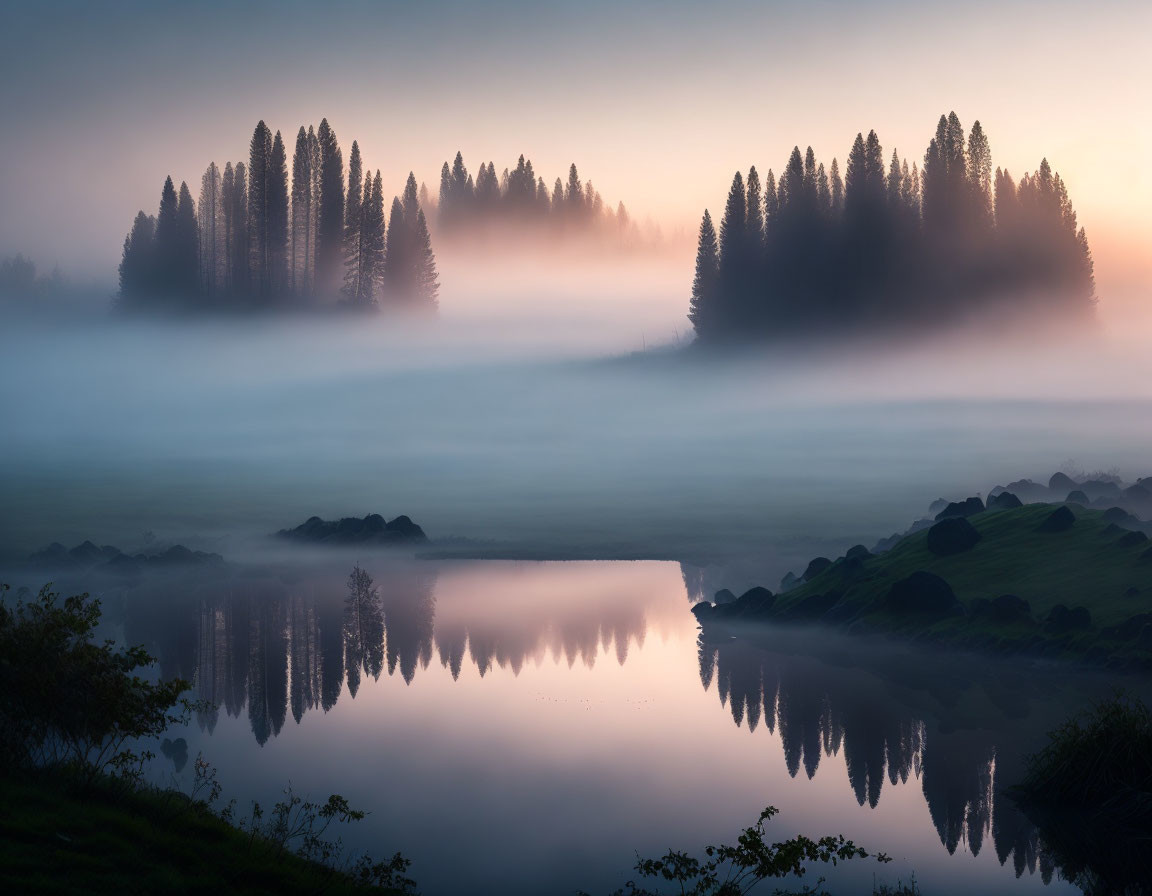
(539, 416)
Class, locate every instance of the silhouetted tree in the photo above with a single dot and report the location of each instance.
(210, 215)
(705, 285)
(259, 156)
(185, 281)
(302, 213)
(330, 221)
(277, 218)
(353, 221)
(138, 266)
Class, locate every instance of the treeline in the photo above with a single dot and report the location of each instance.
(889, 244)
(257, 238)
(519, 197)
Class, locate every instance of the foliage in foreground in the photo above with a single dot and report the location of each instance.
(1090, 794)
(71, 715)
(736, 869)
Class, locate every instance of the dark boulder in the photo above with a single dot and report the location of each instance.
(1004, 501)
(951, 536)
(1059, 520)
(1025, 489)
(922, 593)
(967, 507)
(1131, 539)
(756, 600)
(1009, 608)
(814, 606)
(1100, 488)
(1129, 629)
(372, 529)
(1077, 497)
(1062, 620)
(1118, 515)
(724, 596)
(403, 527)
(1062, 483)
(703, 609)
(816, 566)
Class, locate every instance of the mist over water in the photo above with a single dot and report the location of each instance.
(542, 428)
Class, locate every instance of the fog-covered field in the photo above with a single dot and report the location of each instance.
(560, 428)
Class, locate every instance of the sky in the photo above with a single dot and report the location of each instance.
(658, 103)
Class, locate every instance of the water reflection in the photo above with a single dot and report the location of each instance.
(263, 645)
(458, 646)
(962, 728)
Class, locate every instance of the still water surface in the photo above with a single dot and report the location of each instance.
(528, 727)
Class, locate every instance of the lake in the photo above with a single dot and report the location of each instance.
(533, 725)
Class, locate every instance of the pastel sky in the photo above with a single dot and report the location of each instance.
(657, 102)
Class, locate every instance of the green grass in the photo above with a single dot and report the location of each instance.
(1082, 566)
(58, 836)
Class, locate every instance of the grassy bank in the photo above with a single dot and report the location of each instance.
(1093, 565)
(59, 834)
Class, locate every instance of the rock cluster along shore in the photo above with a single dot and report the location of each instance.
(372, 529)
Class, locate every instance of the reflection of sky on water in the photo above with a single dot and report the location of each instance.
(545, 720)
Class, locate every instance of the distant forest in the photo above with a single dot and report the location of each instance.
(256, 240)
(520, 198)
(889, 245)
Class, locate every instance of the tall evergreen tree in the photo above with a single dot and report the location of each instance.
(259, 155)
(138, 265)
(167, 241)
(426, 282)
(574, 195)
(980, 175)
(353, 221)
(301, 212)
(278, 218)
(771, 203)
(227, 208)
(755, 210)
(396, 253)
(210, 215)
(330, 227)
(186, 273)
(837, 189)
(373, 238)
(735, 262)
(241, 279)
(705, 285)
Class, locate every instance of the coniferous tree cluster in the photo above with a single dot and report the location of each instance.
(264, 236)
(519, 197)
(889, 244)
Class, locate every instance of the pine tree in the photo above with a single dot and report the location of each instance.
(278, 218)
(755, 210)
(771, 203)
(426, 284)
(792, 185)
(228, 203)
(259, 154)
(980, 175)
(705, 285)
(241, 280)
(574, 195)
(373, 238)
(353, 221)
(330, 224)
(137, 267)
(210, 215)
(445, 210)
(186, 273)
(735, 264)
(396, 253)
(301, 212)
(837, 188)
(167, 264)
(823, 190)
